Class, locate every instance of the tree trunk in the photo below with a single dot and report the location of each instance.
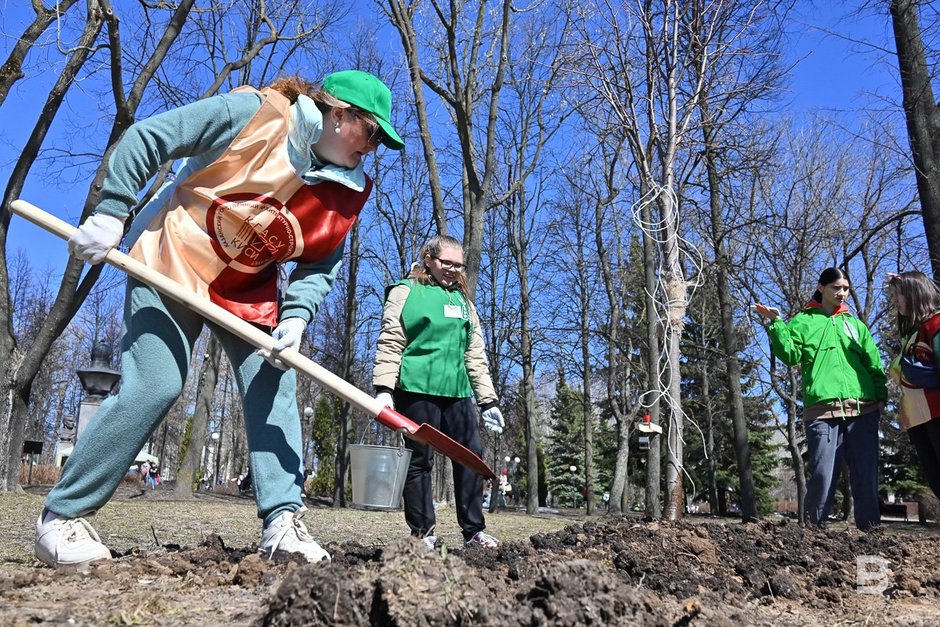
(793, 446)
(675, 285)
(198, 433)
(347, 426)
(728, 339)
(710, 444)
(923, 119)
(518, 245)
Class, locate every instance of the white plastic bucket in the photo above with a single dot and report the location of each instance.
(378, 475)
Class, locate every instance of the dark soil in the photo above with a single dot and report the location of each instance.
(618, 573)
(608, 571)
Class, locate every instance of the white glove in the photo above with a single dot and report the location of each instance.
(493, 420)
(95, 237)
(288, 334)
(386, 399)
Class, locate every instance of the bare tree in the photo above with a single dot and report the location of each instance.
(462, 52)
(12, 69)
(923, 119)
(757, 74)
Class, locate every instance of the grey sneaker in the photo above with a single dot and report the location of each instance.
(429, 541)
(68, 542)
(287, 534)
(484, 540)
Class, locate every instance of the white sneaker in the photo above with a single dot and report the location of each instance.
(429, 541)
(68, 542)
(484, 540)
(286, 534)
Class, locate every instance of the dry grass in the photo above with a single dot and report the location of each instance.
(132, 519)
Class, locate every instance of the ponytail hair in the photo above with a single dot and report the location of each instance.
(292, 87)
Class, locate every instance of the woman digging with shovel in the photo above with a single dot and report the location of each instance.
(429, 365)
(271, 176)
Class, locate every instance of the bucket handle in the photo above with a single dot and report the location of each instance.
(398, 432)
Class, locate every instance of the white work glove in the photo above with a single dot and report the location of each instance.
(493, 420)
(95, 237)
(386, 399)
(287, 334)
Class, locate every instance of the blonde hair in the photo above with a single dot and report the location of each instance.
(421, 274)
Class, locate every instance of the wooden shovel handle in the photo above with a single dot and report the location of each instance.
(260, 339)
(210, 311)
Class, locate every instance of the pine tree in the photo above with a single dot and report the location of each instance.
(324, 447)
(566, 446)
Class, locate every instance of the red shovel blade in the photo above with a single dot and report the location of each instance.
(426, 434)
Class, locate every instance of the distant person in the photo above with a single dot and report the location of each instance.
(271, 177)
(431, 366)
(917, 301)
(144, 476)
(244, 482)
(843, 395)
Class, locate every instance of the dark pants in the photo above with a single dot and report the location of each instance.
(457, 418)
(926, 441)
(830, 441)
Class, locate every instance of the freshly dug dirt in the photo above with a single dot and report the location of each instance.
(623, 572)
(601, 571)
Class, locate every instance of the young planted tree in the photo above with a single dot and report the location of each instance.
(636, 58)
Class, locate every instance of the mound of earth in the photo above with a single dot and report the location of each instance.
(617, 571)
(624, 572)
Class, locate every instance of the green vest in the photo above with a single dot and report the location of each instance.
(437, 329)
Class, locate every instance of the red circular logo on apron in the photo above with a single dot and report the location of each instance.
(249, 230)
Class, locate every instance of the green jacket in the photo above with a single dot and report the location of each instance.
(836, 353)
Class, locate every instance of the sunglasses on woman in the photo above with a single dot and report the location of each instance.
(376, 134)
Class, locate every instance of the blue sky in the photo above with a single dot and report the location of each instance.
(834, 73)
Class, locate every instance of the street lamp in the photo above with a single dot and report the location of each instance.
(573, 470)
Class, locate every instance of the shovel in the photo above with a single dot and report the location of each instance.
(425, 433)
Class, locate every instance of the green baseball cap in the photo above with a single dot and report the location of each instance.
(365, 91)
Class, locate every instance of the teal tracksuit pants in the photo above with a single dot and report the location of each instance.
(159, 335)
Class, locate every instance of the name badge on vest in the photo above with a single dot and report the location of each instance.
(453, 311)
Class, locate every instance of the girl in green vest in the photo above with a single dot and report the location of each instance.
(431, 366)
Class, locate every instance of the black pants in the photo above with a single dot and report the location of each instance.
(457, 418)
(926, 441)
